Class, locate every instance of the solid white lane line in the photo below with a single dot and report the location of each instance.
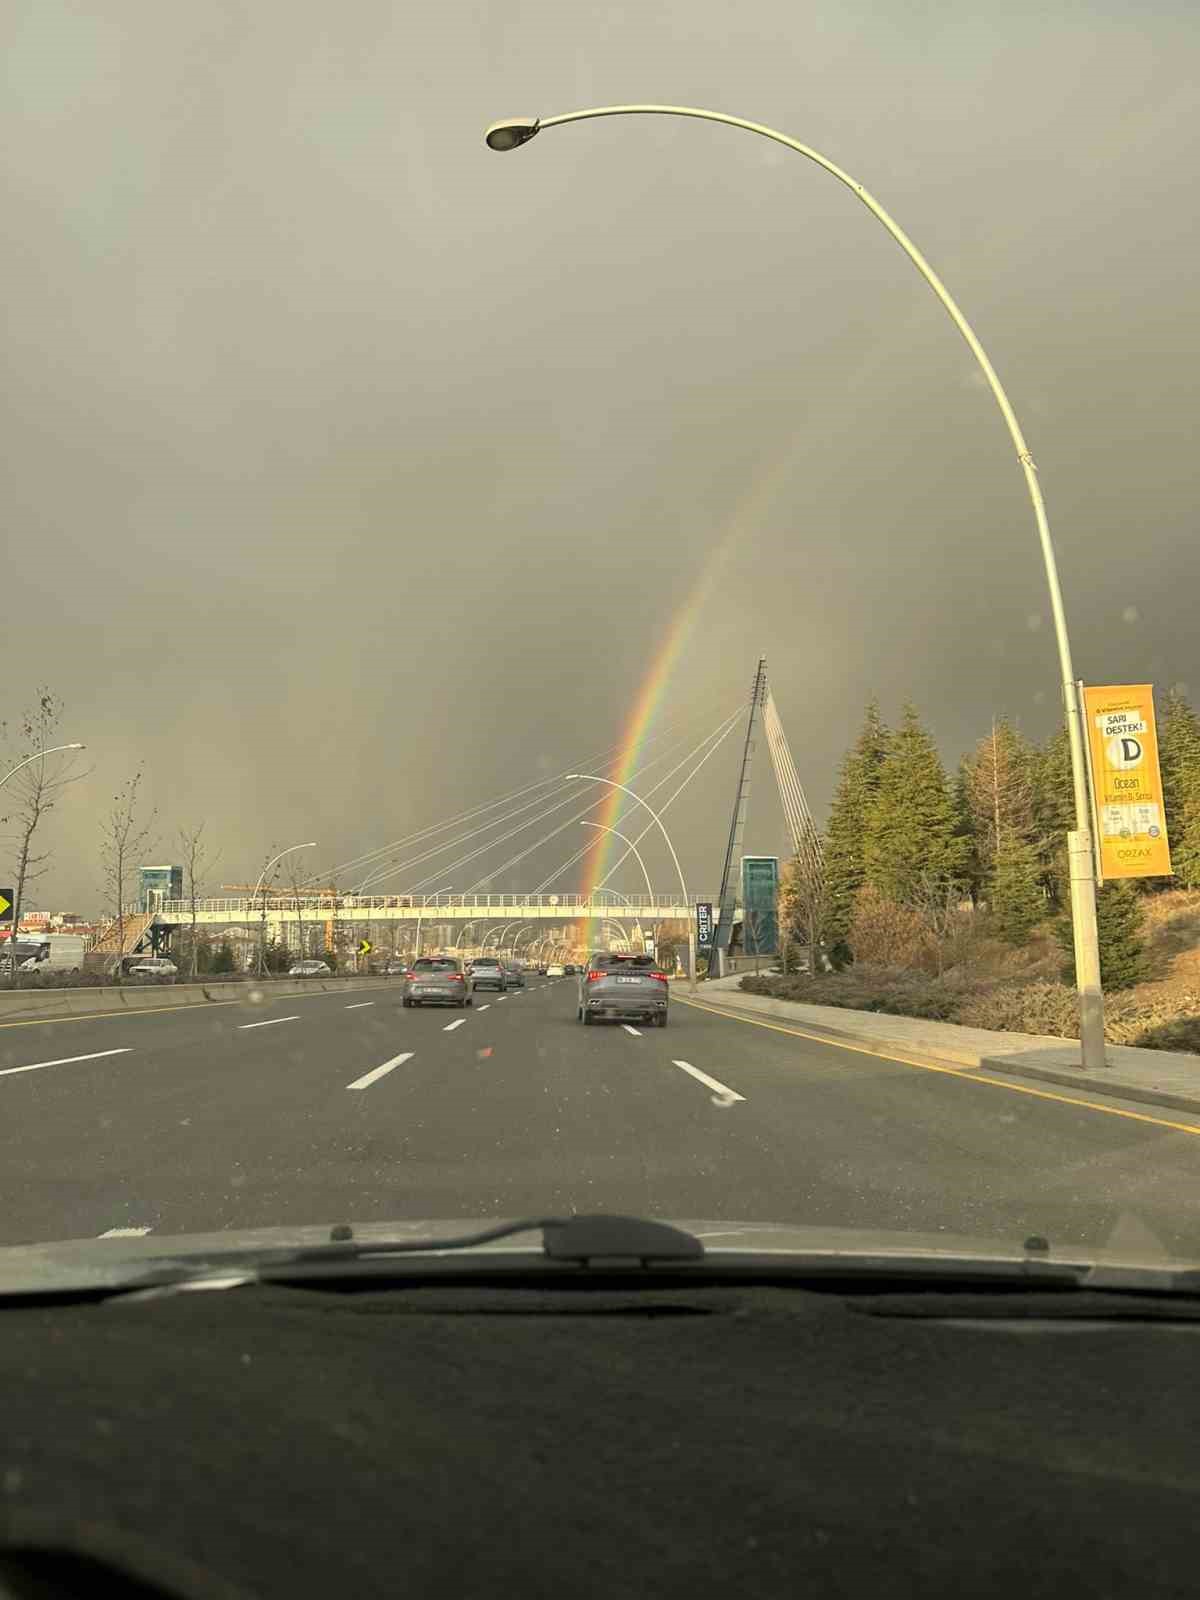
(124, 1233)
(269, 1023)
(484, 1008)
(368, 1078)
(450, 1026)
(65, 1061)
(636, 1032)
(359, 1004)
(723, 1095)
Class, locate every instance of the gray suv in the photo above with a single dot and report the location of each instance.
(487, 972)
(622, 987)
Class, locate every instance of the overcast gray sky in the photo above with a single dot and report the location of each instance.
(351, 470)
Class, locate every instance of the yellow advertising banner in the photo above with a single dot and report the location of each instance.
(1131, 825)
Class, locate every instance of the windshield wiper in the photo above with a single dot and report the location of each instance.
(585, 1239)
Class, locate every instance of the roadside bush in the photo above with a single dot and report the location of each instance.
(1181, 1034)
(886, 934)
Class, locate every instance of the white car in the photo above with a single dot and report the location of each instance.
(155, 967)
(308, 969)
(556, 971)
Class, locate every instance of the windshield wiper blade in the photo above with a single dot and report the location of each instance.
(583, 1239)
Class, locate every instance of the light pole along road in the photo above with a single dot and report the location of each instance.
(691, 920)
(262, 937)
(516, 131)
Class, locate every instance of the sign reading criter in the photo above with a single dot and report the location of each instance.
(1131, 826)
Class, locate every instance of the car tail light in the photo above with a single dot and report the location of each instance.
(661, 976)
(595, 975)
(457, 977)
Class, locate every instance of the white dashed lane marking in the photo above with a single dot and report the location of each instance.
(124, 1233)
(722, 1094)
(359, 1004)
(269, 1023)
(65, 1061)
(636, 1032)
(450, 1026)
(368, 1078)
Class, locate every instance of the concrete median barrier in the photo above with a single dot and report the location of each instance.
(47, 1004)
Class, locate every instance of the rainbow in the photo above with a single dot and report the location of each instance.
(653, 688)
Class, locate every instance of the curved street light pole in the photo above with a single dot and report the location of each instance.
(637, 853)
(513, 132)
(687, 904)
(420, 916)
(311, 844)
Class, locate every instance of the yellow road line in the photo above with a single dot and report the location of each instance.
(972, 1074)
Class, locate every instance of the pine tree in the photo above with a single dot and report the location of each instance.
(1179, 756)
(998, 779)
(1121, 926)
(1054, 813)
(912, 825)
(846, 830)
(1016, 898)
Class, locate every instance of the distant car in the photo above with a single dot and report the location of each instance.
(555, 970)
(541, 972)
(487, 972)
(569, 969)
(154, 967)
(514, 977)
(395, 969)
(622, 987)
(308, 969)
(436, 980)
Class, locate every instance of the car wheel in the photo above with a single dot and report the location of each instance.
(405, 1001)
(661, 1020)
(588, 1019)
(467, 1001)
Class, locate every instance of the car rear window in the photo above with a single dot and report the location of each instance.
(431, 964)
(485, 961)
(611, 959)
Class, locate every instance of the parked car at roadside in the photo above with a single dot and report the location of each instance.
(308, 969)
(154, 967)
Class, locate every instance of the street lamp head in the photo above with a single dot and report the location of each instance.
(510, 133)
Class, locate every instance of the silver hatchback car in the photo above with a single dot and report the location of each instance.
(623, 987)
(436, 980)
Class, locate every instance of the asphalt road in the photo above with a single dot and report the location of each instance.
(345, 1107)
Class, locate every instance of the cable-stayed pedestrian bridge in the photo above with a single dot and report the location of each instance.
(433, 908)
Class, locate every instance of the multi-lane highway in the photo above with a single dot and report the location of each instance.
(332, 1107)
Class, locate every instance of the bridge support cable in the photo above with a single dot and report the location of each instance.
(806, 840)
(490, 844)
(376, 855)
(718, 734)
(440, 848)
(594, 806)
(723, 930)
(724, 734)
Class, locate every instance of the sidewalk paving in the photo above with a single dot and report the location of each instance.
(1153, 1077)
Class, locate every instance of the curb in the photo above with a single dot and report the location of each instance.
(1008, 1066)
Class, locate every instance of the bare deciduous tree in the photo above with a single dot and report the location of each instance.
(124, 836)
(30, 794)
(197, 863)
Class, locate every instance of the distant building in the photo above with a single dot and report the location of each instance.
(156, 884)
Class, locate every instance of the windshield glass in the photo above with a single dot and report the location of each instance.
(718, 588)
